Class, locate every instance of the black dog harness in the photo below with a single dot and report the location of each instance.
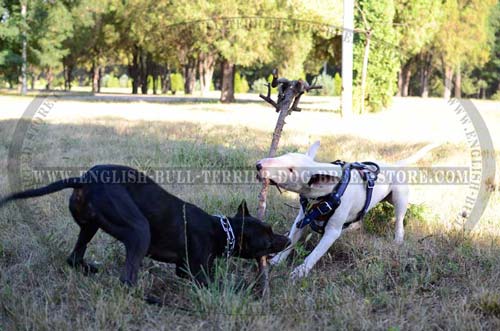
(318, 211)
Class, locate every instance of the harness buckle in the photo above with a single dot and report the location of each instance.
(324, 207)
(370, 184)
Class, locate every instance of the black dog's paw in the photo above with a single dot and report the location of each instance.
(127, 281)
(88, 268)
(153, 300)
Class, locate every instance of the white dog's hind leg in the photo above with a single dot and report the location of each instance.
(400, 201)
(294, 236)
(332, 233)
(353, 227)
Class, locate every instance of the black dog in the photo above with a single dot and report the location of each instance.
(149, 221)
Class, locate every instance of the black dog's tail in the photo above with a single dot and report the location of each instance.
(73, 182)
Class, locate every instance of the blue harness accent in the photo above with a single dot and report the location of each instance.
(318, 211)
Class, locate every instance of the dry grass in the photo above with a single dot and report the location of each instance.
(441, 278)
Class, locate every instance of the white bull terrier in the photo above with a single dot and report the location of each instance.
(301, 174)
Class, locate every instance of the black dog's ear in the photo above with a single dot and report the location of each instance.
(243, 209)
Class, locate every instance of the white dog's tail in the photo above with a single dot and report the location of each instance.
(418, 155)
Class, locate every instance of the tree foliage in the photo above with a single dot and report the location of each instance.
(416, 23)
(205, 41)
(10, 47)
(383, 60)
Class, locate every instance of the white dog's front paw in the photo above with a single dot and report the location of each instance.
(398, 240)
(299, 272)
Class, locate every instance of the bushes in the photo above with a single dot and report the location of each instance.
(338, 85)
(110, 81)
(379, 219)
(57, 82)
(259, 85)
(240, 83)
(124, 81)
(331, 86)
(40, 83)
(177, 82)
(383, 64)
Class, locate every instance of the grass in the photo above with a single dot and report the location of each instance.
(441, 278)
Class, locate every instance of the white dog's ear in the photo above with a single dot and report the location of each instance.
(313, 150)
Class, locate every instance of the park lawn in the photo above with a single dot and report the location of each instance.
(441, 278)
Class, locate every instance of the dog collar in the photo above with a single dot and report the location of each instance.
(230, 238)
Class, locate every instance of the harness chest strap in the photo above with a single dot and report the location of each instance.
(318, 211)
(327, 204)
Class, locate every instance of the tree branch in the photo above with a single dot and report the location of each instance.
(289, 93)
(268, 98)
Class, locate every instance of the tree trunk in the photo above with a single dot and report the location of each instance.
(189, 76)
(24, 77)
(458, 83)
(65, 75)
(227, 88)
(206, 64)
(425, 73)
(448, 83)
(400, 82)
(143, 65)
(483, 93)
(406, 79)
(200, 74)
(33, 80)
(50, 77)
(133, 70)
(165, 79)
(96, 70)
(154, 74)
(155, 83)
(99, 80)
(68, 76)
(364, 71)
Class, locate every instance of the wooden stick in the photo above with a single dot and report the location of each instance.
(290, 92)
(268, 98)
(263, 277)
(284, 106)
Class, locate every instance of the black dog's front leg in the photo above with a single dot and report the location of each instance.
(201, 273)
(75, 259)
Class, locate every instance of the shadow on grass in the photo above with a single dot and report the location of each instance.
(126, 98)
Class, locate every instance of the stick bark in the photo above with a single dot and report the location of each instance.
(288, 100)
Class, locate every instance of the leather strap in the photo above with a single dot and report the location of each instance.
(319, 211)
